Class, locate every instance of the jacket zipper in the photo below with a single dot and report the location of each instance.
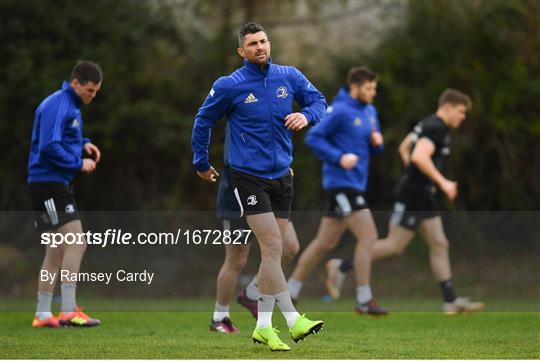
(269, 100)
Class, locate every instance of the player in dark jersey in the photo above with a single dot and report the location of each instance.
(416, 207)
(228, 210)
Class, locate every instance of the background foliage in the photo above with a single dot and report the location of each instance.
(157, 73)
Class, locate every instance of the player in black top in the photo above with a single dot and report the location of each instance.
(416, 207)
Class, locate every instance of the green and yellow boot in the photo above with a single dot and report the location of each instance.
(304, 327)
(268, 336)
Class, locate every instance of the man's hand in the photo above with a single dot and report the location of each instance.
(348, 160)
(92, 151)
(376, 139)
(295, 121)
(449, 188)
(88, 165)
(210, 175)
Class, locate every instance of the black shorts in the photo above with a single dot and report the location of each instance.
(53, 204)
(413, 205)
(257, 195)
(342, 202)
(235, 226)
(226, 204)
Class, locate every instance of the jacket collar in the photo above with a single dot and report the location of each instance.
(257, 69)
(68, 89)
(344, 96)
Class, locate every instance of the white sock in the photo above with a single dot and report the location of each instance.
(284, 302)
(252, 290)
(43, 308)
(294, 288)
(363, 294)
(68, 297)
(265, 307)
(220, 312)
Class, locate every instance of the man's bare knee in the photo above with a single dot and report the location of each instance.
(394, 247)
(272, 247)
(290, 250)
(367, 242)
(239, 262)
(227, 271)
(79, 248)
(236, 258)
(326, 245)
(53, 259)
(439, 244)
(399, 249)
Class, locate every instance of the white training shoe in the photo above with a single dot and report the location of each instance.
(335, 278)
(462, 305)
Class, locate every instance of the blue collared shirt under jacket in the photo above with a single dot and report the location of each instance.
(345, 128)
(256, 103)
(57, 143)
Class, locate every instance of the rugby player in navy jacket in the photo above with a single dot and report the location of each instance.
(344, 140)
(56, 155)
(257, 100)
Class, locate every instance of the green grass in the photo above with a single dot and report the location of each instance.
(415, 330)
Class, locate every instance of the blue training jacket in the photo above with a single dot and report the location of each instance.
(256, 103)
(345, 128)
(57, 143)
(227, 206)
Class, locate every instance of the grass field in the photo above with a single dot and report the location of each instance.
(415, 330)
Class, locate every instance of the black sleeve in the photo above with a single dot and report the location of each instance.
(434, 133)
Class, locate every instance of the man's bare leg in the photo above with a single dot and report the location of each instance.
(363, 227)
(51, 264)
(328, 236)
(272, 285)
(432, 231)
(235, 260)
(73, 254)
(266, 230)
(395, 243)
(271, 280)
(248, 297)
(291, 246)
(63, 257)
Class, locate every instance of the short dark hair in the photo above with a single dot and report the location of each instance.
(85, 71)
(249, 28)
(360, 75)
(455, 97)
